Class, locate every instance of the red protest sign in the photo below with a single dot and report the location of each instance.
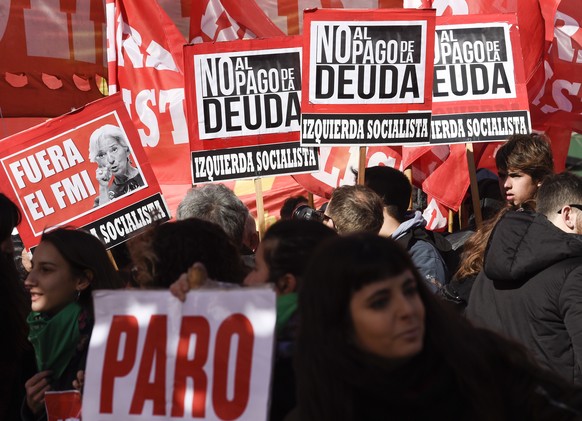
(208, 358)
(243, 102)
(81, 169)
(479, 89)
(369, 77)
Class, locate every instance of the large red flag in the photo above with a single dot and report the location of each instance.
(52, 57)
(558, 101)
(144, 50)
(228, 20)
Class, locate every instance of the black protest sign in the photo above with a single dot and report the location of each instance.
(369, 76)
(479, 87)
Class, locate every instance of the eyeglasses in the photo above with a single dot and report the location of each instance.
(579, 207)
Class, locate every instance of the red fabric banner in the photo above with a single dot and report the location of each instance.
(70, 52)
(144, 50)
(227, 20)
(52, 57)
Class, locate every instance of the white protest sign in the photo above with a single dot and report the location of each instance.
(153, 357)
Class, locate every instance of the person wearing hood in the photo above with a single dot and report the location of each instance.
(408, 227)
(530, 288)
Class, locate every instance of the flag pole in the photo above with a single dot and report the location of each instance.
(451, 221)
(408, 174)
(260, 206)
(474, 186)
(362, 165)
(112, 259)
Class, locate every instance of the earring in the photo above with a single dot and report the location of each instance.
(78, 294)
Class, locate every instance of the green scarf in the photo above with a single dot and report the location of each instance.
(286, 306)
(54, 339)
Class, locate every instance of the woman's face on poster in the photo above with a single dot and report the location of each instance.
(113, 156)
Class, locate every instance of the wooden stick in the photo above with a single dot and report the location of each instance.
(408, 174)
(310, 200)
(260, 207)
(474, 186)
(362, 165)
(112, 259)
(451, 220)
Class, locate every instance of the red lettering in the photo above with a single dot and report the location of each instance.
(194, 368)
(239, 325)
(154, 350)
(112, 367)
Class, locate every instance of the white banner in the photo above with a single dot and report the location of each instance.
(153, 357)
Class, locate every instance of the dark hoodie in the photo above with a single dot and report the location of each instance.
(531, 290)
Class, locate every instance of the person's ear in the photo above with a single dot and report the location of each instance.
(287, 284)
(568, 217)
(84, 280)
(254, 241)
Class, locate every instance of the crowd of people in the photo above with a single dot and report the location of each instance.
(377, 317)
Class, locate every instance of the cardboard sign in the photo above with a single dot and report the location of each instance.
(369, 74)
(79, 169)
(154, 357)
(245, 95)
(479, 87)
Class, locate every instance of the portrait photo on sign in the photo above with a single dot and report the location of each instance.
(117, 173)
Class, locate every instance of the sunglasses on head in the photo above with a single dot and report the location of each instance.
(574, 205)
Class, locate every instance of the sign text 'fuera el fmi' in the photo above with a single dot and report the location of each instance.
(84, 169)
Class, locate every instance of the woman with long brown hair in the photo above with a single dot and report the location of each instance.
(375, 344)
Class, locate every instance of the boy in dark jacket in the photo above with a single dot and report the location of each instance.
(530, 288)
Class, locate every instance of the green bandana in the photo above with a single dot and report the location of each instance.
(286, 306)
(54, 339)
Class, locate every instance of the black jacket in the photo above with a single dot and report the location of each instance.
(531, 290)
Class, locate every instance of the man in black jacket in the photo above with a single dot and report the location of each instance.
(530, 288)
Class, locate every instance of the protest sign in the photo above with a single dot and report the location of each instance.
(245, 95)
(369, 75)
(154, 357)
(479, 87)
(80, 169)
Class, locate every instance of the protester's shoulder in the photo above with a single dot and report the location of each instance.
(293, 415)
(425, 248)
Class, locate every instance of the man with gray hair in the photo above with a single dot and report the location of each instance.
(530, 288)
(217, 203)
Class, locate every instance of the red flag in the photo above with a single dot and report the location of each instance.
(436, 215)
(423, 160)
(558, 102)
(144, 50)
(227, 20)
(337, 165)
(52, 57)
(450, 179)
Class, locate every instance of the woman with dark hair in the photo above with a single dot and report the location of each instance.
(16, 353)
(471, 262)
(375, 344)
(281, 260)
(67, 266)
(167, 251)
